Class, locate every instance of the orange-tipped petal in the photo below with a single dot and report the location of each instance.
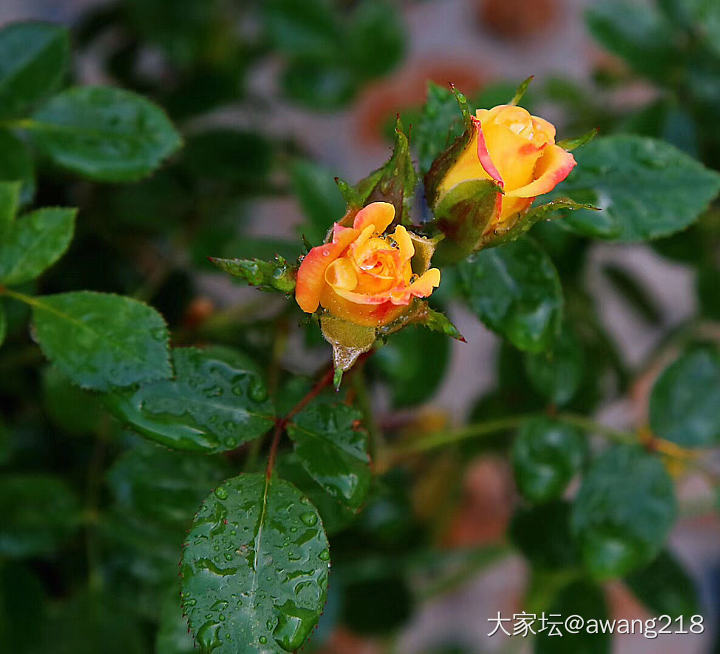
(379, 214)
(552, 168)
(406, 249)
(423, 286)
(311, 274)
(484, 155)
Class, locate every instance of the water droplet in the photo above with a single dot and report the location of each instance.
(309, 518)
(324, 555)
(228, 556)
(263, 640)
(257, 390)
(221, 493)
(293, 627)
(230, 441)
(208, 637)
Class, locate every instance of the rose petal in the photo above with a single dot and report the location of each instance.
(406, 249)
(552, 168)
(379, 214)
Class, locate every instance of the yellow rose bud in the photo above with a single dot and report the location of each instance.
(518, 152)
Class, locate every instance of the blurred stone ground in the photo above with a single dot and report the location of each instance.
(472, 42)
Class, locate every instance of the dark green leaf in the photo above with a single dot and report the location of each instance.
(16, 164)
(632, 290)
(39, 513)
(588, 601)
(332, 448)
(441, 122)
(665, 587)
(102, 341)
(623, 511)
(212, 404)
(3, 324)
(34, 242)
(514, 289)
(546, 455)
(306, 28)
(557, 373)
(413, 362)
(542, 533)
(33, 59)
(22, 608)
(274, 275)
(172, 635)
(685, 400)
(375, 40)
(321, 201)
(319, 85)
(106, 134)
(255, 567)
(9, 201)
(71, 408)
(649, 187)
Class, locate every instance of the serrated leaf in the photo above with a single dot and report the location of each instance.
(665, 587)
(102, 341)
(172, 634)
(332, 448)
(39, 513)
(33, 59)
(16, 164)
(685, 399)
(255, 567)
(515, 290)
(212, 404)
(648, 187)
(276, 275)
(546, 455)
(34, 242)
(623, 511)
(106, 134)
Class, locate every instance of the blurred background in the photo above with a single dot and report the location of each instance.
(274, 100)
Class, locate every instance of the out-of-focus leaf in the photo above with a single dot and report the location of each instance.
(3, 324)
(211, 404)
(708, 282)
(321, 201)
(557, 373)
(319, 85)
(649, 187)
(9, 201)
(685, 399)
(375, 41)
(623, 511)
(515, 290)
(255, 567)
(332, 448)
(33, 243)
(16, 164)
(305, 28)
(173, 636)
(632, 290)
(665, 587)
(542, 533)
(102, 341)
(22, 608)
(69, 407)
(546, 455)
(39, 513)
(33, 59)
(391, 606)
(413, 362)
(106, 134)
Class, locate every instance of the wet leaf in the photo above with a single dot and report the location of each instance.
(276, 275)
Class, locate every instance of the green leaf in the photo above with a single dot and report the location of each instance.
(546, 455)
(39, 513)
(16, 164)
(319, 85)
(413, 362)
(255, 567)
(212, 404)
(70, 408)
(33, 60)
(22, 608)
(332, 448)
(3, 324)
(685, 399)
(321, 201)
(106, 134)
(274, 275)
(34, 242)
(648, 187)
(172, 634)
(440, 124)
(462, 215)
(665, 587)
(587, 600)
(542, 534)
(307, 28)
(623, 511)
(102, 341)
(9, 201)
(375, 41)
(515, 290)
(558, 373)
(578, 142)
(633, 292)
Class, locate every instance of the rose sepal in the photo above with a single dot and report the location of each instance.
(276, 275)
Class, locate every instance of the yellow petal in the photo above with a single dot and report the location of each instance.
(406, 248)
(552, 168)
(378, 214)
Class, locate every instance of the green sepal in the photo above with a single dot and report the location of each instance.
(521, 90)
(275, 275)
(579, 141)
(348, 341)
(394, 182)
(420, 313)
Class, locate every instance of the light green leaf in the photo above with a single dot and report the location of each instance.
(39, 513)
(106, 134)
(212, 404)
(685, 400)
(647, 187)
(34, 242)
(33, 59)
(332, 448)
(255, 567)
(102, 341)
(623, 511)
(515, 290)
(546, 454)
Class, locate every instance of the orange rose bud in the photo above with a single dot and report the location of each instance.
(515, 150)
(363, 275)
